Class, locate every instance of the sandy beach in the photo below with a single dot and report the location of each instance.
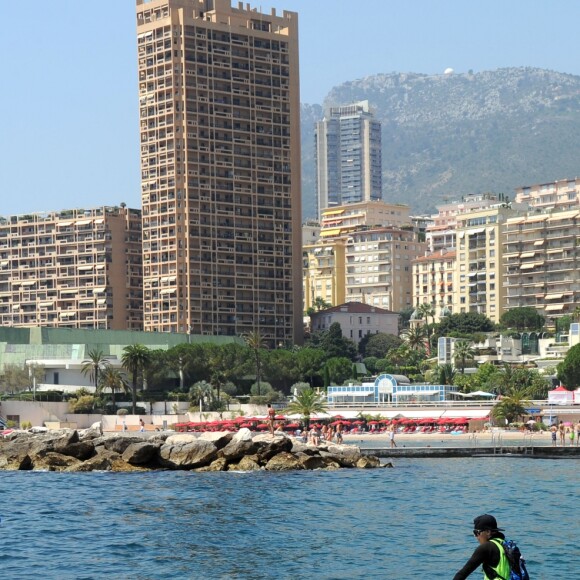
(430, 438)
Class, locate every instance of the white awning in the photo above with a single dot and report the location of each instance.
(167, 291)
(554, 296)
(84, 222)
(553, 307)
(98, 290)
(83, 268)
(28, 283)
(528, 255)
(539, 242)
(478, 231)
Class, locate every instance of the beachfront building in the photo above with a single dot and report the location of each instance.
(479, 273)
(440, 233)
(77, 268)
(220, 169)
(348, 156)
(357, 320)
(346, 218)
(378, 266)
(59, 353)
(391, 389)
(433, 282)
(323, 273)
(563, 194)
(541, 262)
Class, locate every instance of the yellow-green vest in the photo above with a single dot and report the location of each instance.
(503, 568)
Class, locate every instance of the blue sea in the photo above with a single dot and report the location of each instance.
(413, 521)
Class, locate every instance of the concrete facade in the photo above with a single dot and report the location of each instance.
(357, 320)
(79, 268)
(348, 156)
(220, 160)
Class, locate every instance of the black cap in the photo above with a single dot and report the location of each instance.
(486, 522)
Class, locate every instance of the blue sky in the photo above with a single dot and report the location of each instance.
(69, 124)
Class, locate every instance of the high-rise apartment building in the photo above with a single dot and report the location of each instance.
(479, 273)
(433, 282)
(378, 267)
(364, 213)
(562, 194)
(220, 162)
(74, 269)
(348, 156)
(541, 257)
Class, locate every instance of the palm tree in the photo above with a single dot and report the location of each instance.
(445, 374)
(113, 380)
(306, 402)
(96, 362)
(427, 310)
(415, 338)
(255, 341)
(512, 406)
(463, 351)
(321, 304)
(135, 359)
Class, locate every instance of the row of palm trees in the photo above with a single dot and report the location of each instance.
(98, 367)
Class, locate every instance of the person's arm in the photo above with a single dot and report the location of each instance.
(483, 553)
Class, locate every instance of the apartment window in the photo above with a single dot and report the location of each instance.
(360, 319)
(360, 333)
(368, 319)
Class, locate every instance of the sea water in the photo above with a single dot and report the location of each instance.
(413, 521)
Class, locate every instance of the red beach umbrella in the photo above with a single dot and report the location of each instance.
(262, 426)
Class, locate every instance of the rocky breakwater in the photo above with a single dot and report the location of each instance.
(90, 451)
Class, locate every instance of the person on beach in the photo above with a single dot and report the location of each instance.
(562, 431)
(490, 553)
(142, 424)
(577, 432)
(339, 434)
(392, 436)
(271, 419)
(554, 431)
(571, 435)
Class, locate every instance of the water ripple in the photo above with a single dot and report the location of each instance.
(328, 525)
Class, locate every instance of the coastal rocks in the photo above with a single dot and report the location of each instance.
(187, 455)
(66, 451)
(141, 453)
(284, 462)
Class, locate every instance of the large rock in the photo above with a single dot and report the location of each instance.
(187, 455)
(247, 463)
(244, 434)
(284, 462)
(346, 455)
(55, 462)
(368, 462)
(236, 449)
(117, 443)
(217, 465)
(80, 450)
(104, 461)
(181, 438)
(141, 453)
(274, 447)
(219, 439)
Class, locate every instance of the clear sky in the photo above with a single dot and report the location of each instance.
(69, 122)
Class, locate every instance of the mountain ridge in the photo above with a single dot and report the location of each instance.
(445, 136)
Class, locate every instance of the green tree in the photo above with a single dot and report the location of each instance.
(415, 337)
(256, 343)
(112, 380)
(200, 394)
(339, 369)
(445, 374)
(511, 406)
(15, 377)
(307, 402)
(463, 351)
(333, 343)
(465, 323)
(95, 362)
(309, 362)
(135, 359)
(523, 318)
(569, 369)
(378, 345)
(280, 368)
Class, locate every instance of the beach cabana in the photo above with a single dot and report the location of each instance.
(561, 396)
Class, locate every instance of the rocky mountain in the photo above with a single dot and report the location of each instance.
(445, 136)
